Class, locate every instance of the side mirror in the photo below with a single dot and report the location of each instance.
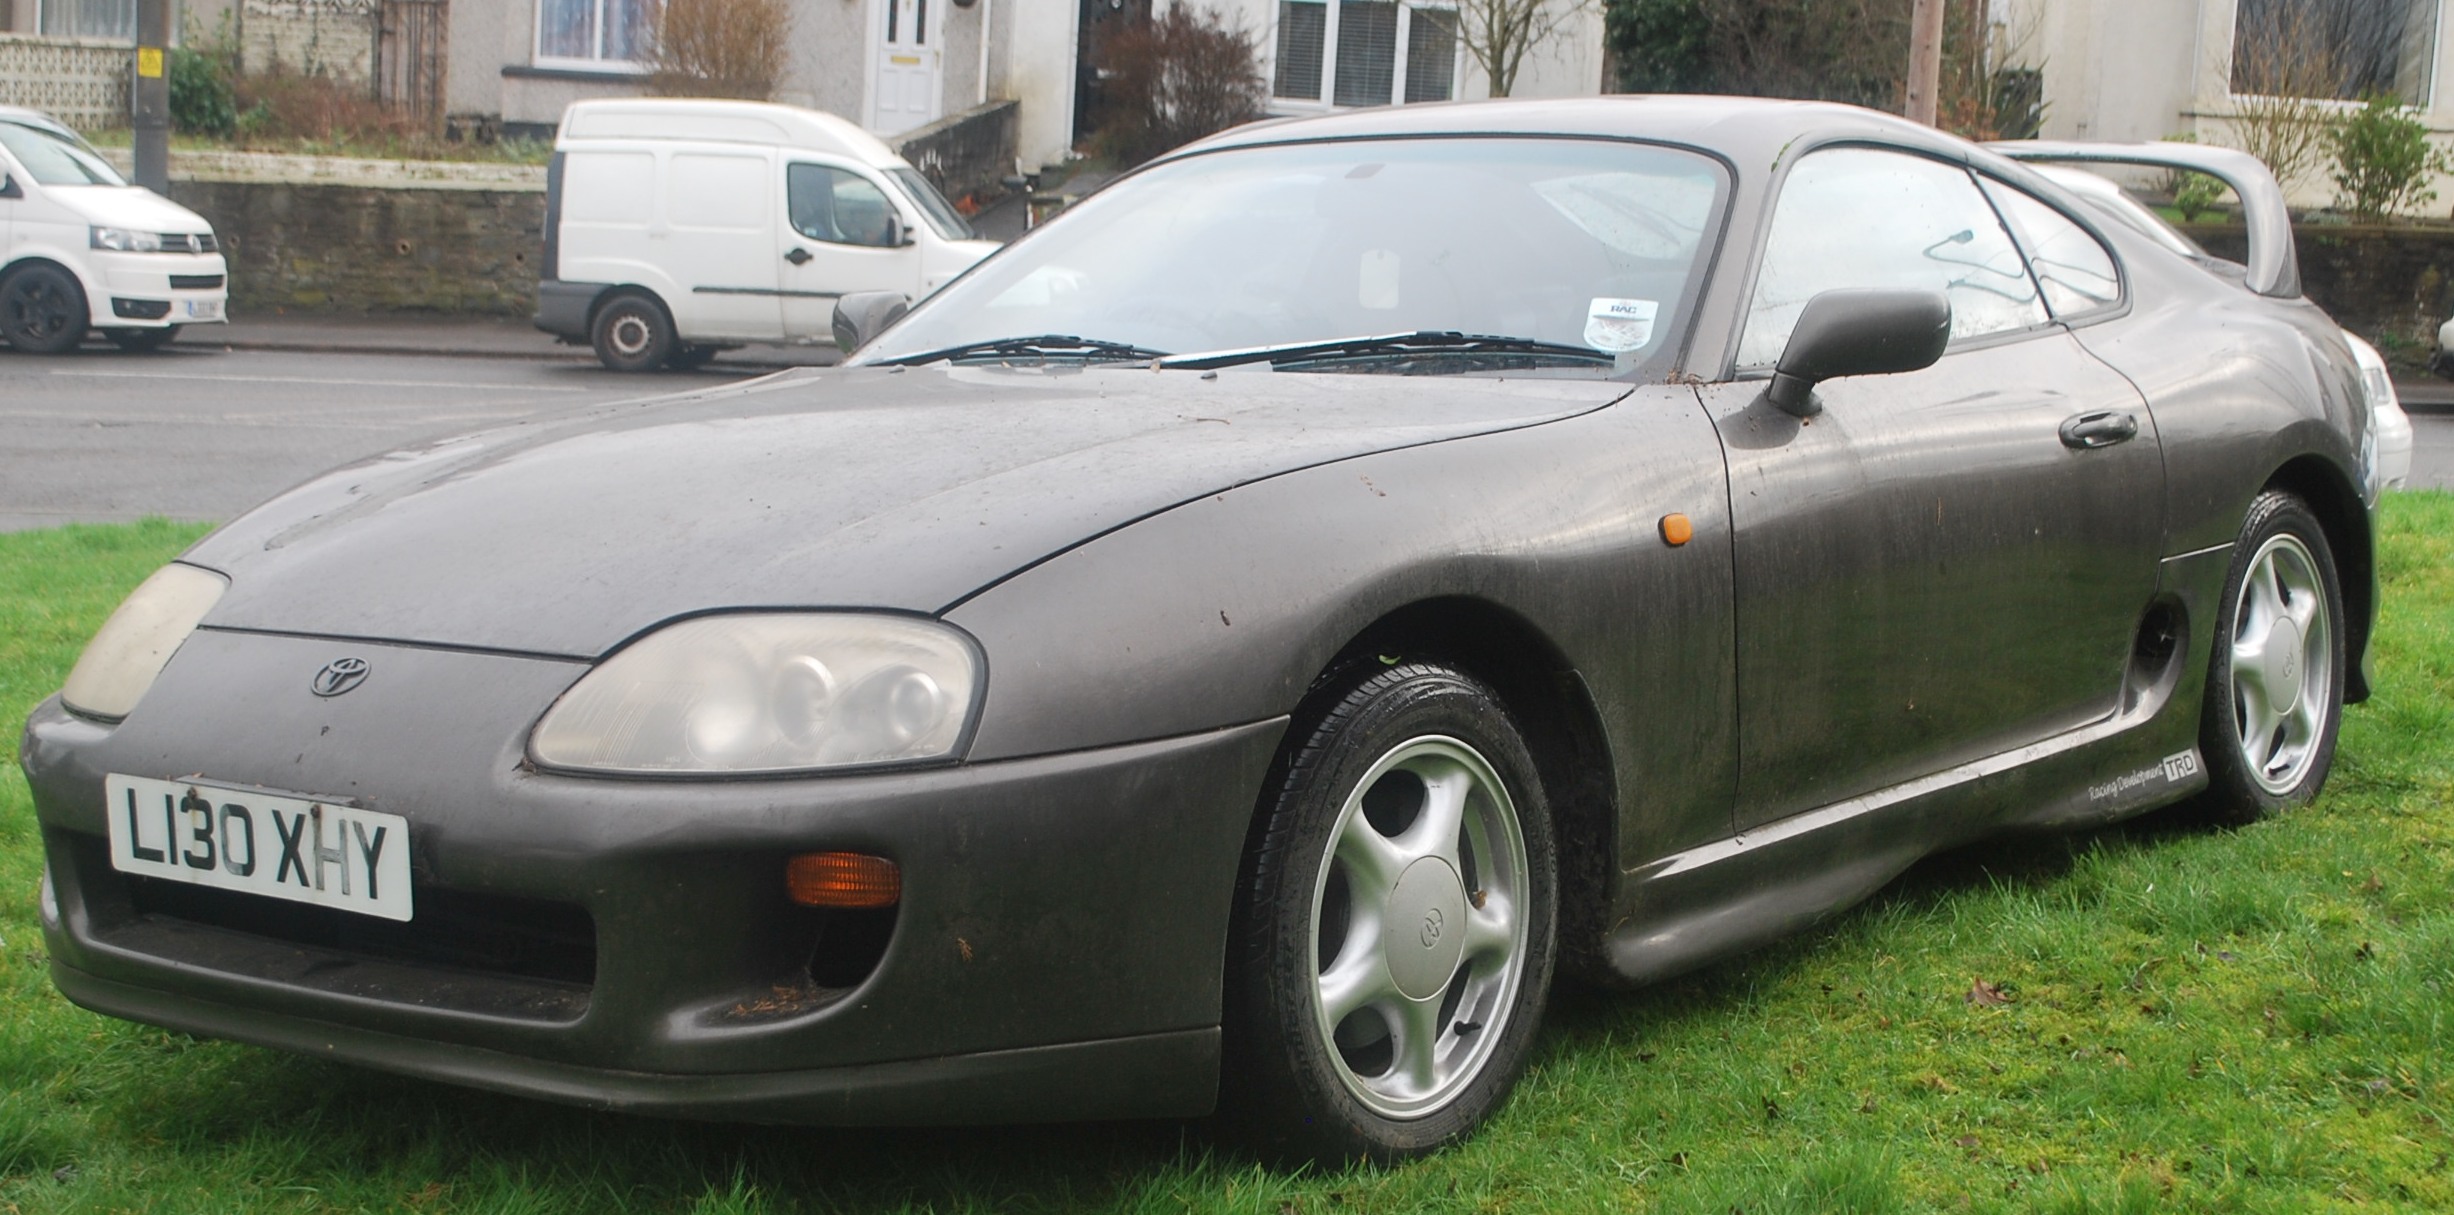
(897, 236)
(9, 188)
(863, 315)
(1845, 333)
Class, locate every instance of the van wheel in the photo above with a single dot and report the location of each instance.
(42, 310)
(139, 341)
(632, 333)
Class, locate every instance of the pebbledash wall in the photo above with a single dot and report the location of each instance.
(324, 235)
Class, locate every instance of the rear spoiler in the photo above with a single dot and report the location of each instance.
(2274, 266)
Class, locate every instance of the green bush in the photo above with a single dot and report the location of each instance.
(2383, 161)
(203, 82)
(1657, 46)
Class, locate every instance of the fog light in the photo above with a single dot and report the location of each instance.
(843, 879)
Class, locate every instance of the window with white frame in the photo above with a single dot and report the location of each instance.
(1364, 52)
(2334, 49)
(594, 33)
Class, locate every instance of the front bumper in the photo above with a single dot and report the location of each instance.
(1056, 955)
(155, 290)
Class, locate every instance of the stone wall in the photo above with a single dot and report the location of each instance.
(2392, 284)
(328, 234)
(81, 82)
(967, 153)
(334, 248)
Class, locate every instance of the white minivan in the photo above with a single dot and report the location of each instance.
(678, 228)
(81, 249)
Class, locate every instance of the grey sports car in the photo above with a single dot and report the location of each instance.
(1237, 647)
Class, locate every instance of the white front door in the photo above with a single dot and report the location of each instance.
(910, 80)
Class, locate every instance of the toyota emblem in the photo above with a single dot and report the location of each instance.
(338, 676)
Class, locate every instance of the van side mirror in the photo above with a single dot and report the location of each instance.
(9, 188)
(863, 315)
(897, 236)
(1857, 332)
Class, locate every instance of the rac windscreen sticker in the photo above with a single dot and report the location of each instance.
(1619, 326)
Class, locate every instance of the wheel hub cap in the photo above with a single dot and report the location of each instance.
(1423, 933)
(2283, 666)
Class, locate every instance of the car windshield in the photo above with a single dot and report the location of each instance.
(56, 158)
(1417, 255)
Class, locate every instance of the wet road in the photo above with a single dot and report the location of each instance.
(201, 433)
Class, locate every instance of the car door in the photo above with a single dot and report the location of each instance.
(1940, 566)
(718, 242)
(844, 233)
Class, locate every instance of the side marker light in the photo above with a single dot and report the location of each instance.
(1676, 530)
(842, 879)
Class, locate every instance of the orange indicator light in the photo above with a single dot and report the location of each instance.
(1676, 530)
(843, 879)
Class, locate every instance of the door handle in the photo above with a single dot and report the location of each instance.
(799, 256)
(2103, 428)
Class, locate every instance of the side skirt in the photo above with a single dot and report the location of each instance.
(1694, 907)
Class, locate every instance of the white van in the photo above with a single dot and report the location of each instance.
(82, 249)
(678, 228)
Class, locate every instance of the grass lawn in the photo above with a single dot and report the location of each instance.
(2253, 1020)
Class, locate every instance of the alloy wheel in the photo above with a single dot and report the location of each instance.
(2282, 663)
(1418, 929)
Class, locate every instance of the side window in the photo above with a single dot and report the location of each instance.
(2075, 271)
(1858, 217)
(837, 206)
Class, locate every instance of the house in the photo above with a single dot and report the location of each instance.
(2126, 70)
(511, 66)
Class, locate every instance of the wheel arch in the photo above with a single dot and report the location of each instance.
(1562, 728)
(2345, 517)
(615, 291)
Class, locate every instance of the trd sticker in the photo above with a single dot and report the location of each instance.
(2173, 770)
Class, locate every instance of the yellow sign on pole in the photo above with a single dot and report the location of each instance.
(149, 62)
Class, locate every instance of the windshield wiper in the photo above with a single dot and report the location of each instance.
(1044, 346)
(1431, 343)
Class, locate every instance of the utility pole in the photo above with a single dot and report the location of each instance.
(149, 96)
(1925, 58)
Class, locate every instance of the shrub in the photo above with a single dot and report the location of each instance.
(2383, 161)
(720, 48)
(203, 99)
(282, 102)
(1657, 46)
(1170, 80)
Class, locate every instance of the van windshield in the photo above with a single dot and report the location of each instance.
(942, 215)
(57, 158)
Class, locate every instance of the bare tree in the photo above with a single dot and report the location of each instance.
(1498, 33)
(2292, 63)
(720, 48)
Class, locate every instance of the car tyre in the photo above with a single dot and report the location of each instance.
(2274, 698)
(43, 309)
(1394, 934)
(632, 333)
(141, 341)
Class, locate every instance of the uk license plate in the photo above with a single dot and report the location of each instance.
(204, 310)
(280, 846)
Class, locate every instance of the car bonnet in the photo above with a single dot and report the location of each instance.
(849, 488)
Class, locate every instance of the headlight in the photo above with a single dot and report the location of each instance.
(137, 641)
(767, 693)
(126, 240)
